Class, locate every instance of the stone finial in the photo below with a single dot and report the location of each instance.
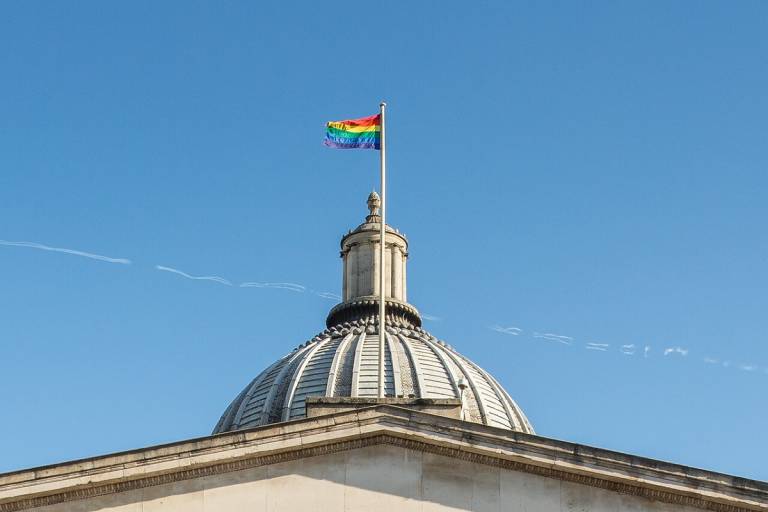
(374, 203)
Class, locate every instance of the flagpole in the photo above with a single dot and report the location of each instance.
(382, 253)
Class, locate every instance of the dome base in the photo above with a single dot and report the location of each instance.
(399, 314)
(320, 406)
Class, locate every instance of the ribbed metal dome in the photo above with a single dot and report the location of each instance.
(343, 360)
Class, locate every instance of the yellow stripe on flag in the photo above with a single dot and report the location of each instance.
(354, 129)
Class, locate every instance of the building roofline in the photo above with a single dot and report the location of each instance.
(380, 424)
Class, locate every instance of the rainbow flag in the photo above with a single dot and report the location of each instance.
(363, 133)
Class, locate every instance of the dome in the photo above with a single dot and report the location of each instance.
(343, 360)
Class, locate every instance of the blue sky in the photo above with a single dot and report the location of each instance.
(583, 186)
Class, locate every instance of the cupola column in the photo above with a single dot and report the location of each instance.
(360, 254)
(397, 259)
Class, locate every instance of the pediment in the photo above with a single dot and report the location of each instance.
(454, 451)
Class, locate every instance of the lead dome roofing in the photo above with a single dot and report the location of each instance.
(342, 361)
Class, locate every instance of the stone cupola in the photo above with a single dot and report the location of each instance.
(361, 263)
(360, 253)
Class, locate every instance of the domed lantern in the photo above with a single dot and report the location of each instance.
(340, 365)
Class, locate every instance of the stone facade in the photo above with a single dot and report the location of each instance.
(370, 479)
(378, 458)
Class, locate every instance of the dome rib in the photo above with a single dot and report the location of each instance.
(473, 387)
(504, 403)
(312, 378)
(397, 381)
(256, 383)
(226, 418)
(446, 367)
(436, 375)
(522, 422)
(416, 367)
(355, 391)
(335, 364)
(297, 374)
(266, 409)
(485, 401)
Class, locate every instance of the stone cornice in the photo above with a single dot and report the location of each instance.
(361, 307)
(383, 424)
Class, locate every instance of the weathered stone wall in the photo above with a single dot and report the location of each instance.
(376, 478)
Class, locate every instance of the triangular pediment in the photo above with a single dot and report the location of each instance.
(385, 454)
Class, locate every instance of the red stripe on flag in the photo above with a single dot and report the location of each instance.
(374, 120)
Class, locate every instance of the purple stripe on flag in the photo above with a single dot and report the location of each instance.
(352, 144)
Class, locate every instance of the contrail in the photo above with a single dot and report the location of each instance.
(513, 331)
(283, 286)
(215, 279)
(327, 295)
(676, 350)
(565, 340)
(747, 367)
(42, 247)
(629, 349)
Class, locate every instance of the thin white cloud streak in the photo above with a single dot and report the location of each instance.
(215, 279)
(632, 349)
(512, 331)
(745, 367)
(565, 340)
(35, 245)
(327, 295)
(294, 287)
